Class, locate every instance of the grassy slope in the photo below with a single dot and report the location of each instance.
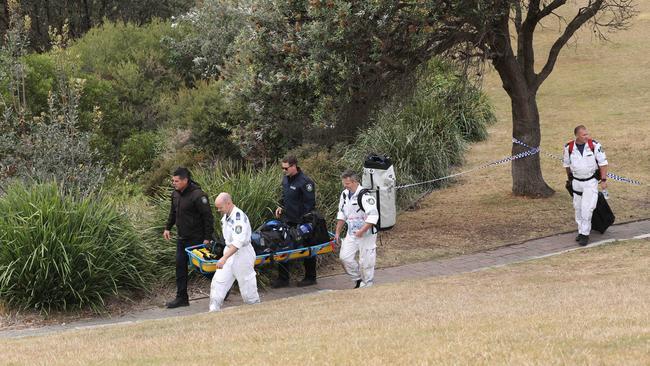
(601, 85)
(586, 307)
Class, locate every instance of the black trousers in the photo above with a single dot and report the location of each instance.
(284, 269)
(181, 266)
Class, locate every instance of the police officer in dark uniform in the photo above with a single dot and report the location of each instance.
(191, 212)
(298, 198)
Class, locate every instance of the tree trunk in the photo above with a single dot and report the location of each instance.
(527, 179)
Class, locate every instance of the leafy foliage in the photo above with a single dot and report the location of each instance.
(49, 146)
(128, 72)
(62, 252)
(205, 112)
(206, 35)
(314, 71)
(140, 150)
(427, 135)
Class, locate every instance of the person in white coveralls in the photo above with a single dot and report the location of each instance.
(361, 235)
(238, 259)
(586, 164)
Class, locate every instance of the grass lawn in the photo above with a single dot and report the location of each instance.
(585, 307)
(601, 85)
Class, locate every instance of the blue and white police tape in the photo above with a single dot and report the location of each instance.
(507, 159)
(613, 176)
(543, 152)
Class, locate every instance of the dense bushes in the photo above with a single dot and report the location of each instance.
(51, 146)
(64, 252)
(140, 150)
(427, 135)
(137, 82)
(204, 111)
(129, 72)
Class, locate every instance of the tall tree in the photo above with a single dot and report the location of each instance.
(507, 41)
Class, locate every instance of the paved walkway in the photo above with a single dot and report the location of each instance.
(532, 249)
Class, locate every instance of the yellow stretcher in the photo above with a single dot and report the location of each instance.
(198, 253)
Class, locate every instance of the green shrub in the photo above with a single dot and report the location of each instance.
(111, 44)
(205, 112)
(51, 146)
(41, 78)
(165, 163)
(467, 105)
(127, 72)
(62, 252)
(427, 135)
(140, 150)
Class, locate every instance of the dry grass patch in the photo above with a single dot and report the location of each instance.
(586, 307)
(602, 85)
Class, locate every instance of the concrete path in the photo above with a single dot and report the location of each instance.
(537, 248)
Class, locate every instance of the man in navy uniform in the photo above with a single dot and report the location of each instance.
(191, 212)
(298, 198)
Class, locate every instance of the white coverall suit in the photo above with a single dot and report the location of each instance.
(366, 246)
(583, 166)
(236, 231)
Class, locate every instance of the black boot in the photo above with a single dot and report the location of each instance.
(358, 284)
(578, 237)
(584, 240)
(178, 302)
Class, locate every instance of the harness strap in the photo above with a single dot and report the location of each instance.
(586, 179)
(590, 142)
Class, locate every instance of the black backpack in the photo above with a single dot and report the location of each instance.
(272, 236)
(603, 217)
(319, 233)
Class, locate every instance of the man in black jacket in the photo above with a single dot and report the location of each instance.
(192, 214)
(298, 198)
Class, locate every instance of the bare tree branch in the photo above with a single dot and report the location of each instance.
(518, 16)
(550, 8)
(518, 20)
(526, 52)
(584, 15)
